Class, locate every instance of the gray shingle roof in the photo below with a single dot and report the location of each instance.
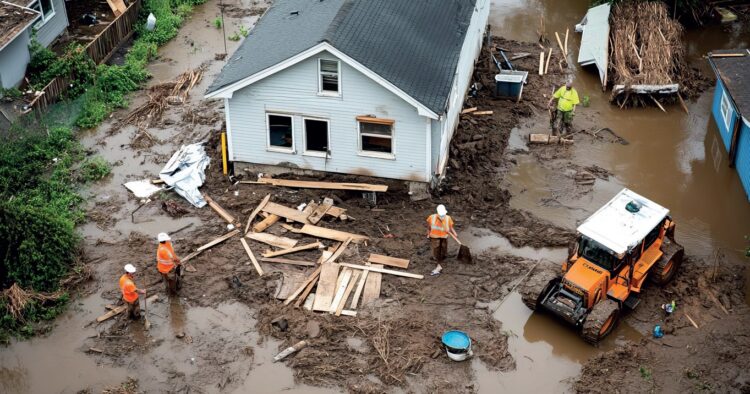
(413, 44)
(733, 72)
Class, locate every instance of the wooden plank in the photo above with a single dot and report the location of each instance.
(273, 240)
(348, 291)
(314, 245)
(122, 308)
(218, 240)
(288, 261)
(221, 211)
(469, 110)
(329, 273)
(252, 257)
(266, 223)
(285, 212)
(365, 187)
(322, 232)
(347, 312)
(117, 6)
(546, 65)
(341, 286)
(360, 287)
(290, 282)
(567, 30)
(727, 54)
(388, 260)
(559, 42)
(190, 256)
(306, 292)
(541, 63)
(336, 212)
(482, 113)
(372, 286)
(318, 213)
(382, 270)
(256, 211)
(339, 250)
(299, 290)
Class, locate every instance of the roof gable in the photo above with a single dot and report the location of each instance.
(413, 46)
(734, 75)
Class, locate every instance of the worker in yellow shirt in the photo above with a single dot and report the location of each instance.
(567, 99)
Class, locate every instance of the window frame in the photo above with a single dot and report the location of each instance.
(43, 19)
(381, 121)
(274, 148)
(329, 93)
(316, 153)
(726, 113)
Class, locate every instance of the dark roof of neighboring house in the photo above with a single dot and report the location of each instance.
(735, 74)
(14, 19)
(414, 44)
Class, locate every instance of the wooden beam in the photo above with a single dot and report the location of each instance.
(221, 211)
(343, 284)
(382, 270)
(387, 260)
(273, 240)
(365, 187)
(339, 250)
(342, 303)
(314, 245)
(266, 223)
(287, 261)
(322, 232)
(190, 256)
(122, 308)
(469, 110)
(299, 290)
(252, 257)
(370, 119)
(329, 273)
(256, 211)
(482, 113)
(218, 240)
(360, 287)
(286, 212)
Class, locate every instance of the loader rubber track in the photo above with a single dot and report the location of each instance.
(600, 321)
(666, 267)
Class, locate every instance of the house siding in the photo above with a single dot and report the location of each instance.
(462, 79)
(13, 60)
(742, 160)
(55, 26)
(724, 131)
(294, 91)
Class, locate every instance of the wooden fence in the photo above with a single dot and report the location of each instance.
(100, 49)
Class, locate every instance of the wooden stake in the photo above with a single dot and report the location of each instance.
(658, 103)
(469, 110)
(561, 47)
(549, 56)
(252, 257)
(567, 30)
(541, 63)
(682, 103)
(691, 320)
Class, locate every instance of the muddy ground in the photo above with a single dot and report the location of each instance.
(212, 338)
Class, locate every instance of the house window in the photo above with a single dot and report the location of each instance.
(376, 136)
(47, 10)
(726, 110)
(316, 136)
(329, 77)
(280, 132)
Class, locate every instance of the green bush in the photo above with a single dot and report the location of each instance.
(93, 111)
(218, 22)
(41, 60)
(94, 169)
(74, 64)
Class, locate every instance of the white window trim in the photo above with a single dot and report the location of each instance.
(377, 155)
(42, 19)
(315, 153)
(726, 115)
(272, 148)
(328, 93)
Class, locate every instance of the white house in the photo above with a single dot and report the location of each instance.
(368, 87)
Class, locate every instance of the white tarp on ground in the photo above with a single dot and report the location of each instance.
(595, 41)
(142, 189)
(185, 172)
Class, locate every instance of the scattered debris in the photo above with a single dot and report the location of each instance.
(185, 172)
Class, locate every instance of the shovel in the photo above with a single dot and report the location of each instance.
(146, 325)
(464, 253)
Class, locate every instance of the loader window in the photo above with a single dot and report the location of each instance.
(651, 236)
(596, 253)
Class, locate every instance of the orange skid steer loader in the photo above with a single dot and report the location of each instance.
(622, 244)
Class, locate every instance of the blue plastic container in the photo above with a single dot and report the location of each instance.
(509, 84)
(457, 345)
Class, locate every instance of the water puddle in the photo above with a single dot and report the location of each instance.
(480, 240)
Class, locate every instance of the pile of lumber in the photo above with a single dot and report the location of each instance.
(163, 94)
(646, 52)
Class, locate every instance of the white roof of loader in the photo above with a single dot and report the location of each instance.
(618, 229)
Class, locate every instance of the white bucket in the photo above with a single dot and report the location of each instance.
(463, 355)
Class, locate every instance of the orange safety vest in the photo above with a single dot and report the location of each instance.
(129, 293)
(165, 257)
(439, 228)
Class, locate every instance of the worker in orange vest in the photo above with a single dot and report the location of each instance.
(439, 226)
(130, 292)
(168, 264)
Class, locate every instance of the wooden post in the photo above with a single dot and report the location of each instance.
(541, 63)
(224, 153)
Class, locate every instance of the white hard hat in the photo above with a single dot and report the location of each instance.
(163, 237)
(441, 210)
(130, 268)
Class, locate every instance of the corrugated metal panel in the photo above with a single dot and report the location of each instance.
(55, 26)
(295, 91)
(595, 40)
(724, 131)
(13, 61)
(742, 163)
